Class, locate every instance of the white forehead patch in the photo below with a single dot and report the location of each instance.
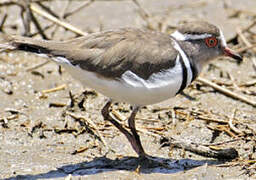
(222, 38)
(183, 37)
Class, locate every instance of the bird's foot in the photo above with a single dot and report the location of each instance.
(147, 162)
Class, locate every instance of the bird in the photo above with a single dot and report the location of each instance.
(136, 66)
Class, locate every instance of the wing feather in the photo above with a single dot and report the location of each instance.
(114, 52)
(110, 53)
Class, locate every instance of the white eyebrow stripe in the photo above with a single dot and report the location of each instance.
(178, 36)
(183, 37)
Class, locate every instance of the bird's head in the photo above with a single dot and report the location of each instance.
(203, 41)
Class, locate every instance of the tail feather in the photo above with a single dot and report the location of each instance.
(10, 43)
(6, 43)
(32, 48)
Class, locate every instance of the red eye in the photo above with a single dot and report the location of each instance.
(211, 41)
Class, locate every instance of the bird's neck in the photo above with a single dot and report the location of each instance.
(195, 55)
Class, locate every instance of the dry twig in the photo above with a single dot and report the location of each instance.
(206, 151)
(57, 21)
(92, 124)
(37, 24)
(232, 126)
(61, 87)
(241, 50)
(86, 4)
(243, 30)
(226, 91)
(247, 43)
(3, 22)
(37, 66)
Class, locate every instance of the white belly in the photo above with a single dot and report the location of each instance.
(130, 88)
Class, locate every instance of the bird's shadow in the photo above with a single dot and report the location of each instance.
(104, 164)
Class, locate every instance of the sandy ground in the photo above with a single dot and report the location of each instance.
(42, 137)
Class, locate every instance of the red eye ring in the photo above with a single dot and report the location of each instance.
(211, 42)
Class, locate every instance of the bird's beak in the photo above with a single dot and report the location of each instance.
(231, 53)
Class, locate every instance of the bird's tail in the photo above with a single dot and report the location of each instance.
(6, 43)
(12, 42)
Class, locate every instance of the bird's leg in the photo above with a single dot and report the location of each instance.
(133, 137)
(105, 114)
(137, 143)
(129, 136)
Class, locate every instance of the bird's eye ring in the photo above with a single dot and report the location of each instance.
(211, 41)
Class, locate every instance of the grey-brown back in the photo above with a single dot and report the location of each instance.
(110, 53)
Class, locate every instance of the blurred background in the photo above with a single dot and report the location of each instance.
(36, 17)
